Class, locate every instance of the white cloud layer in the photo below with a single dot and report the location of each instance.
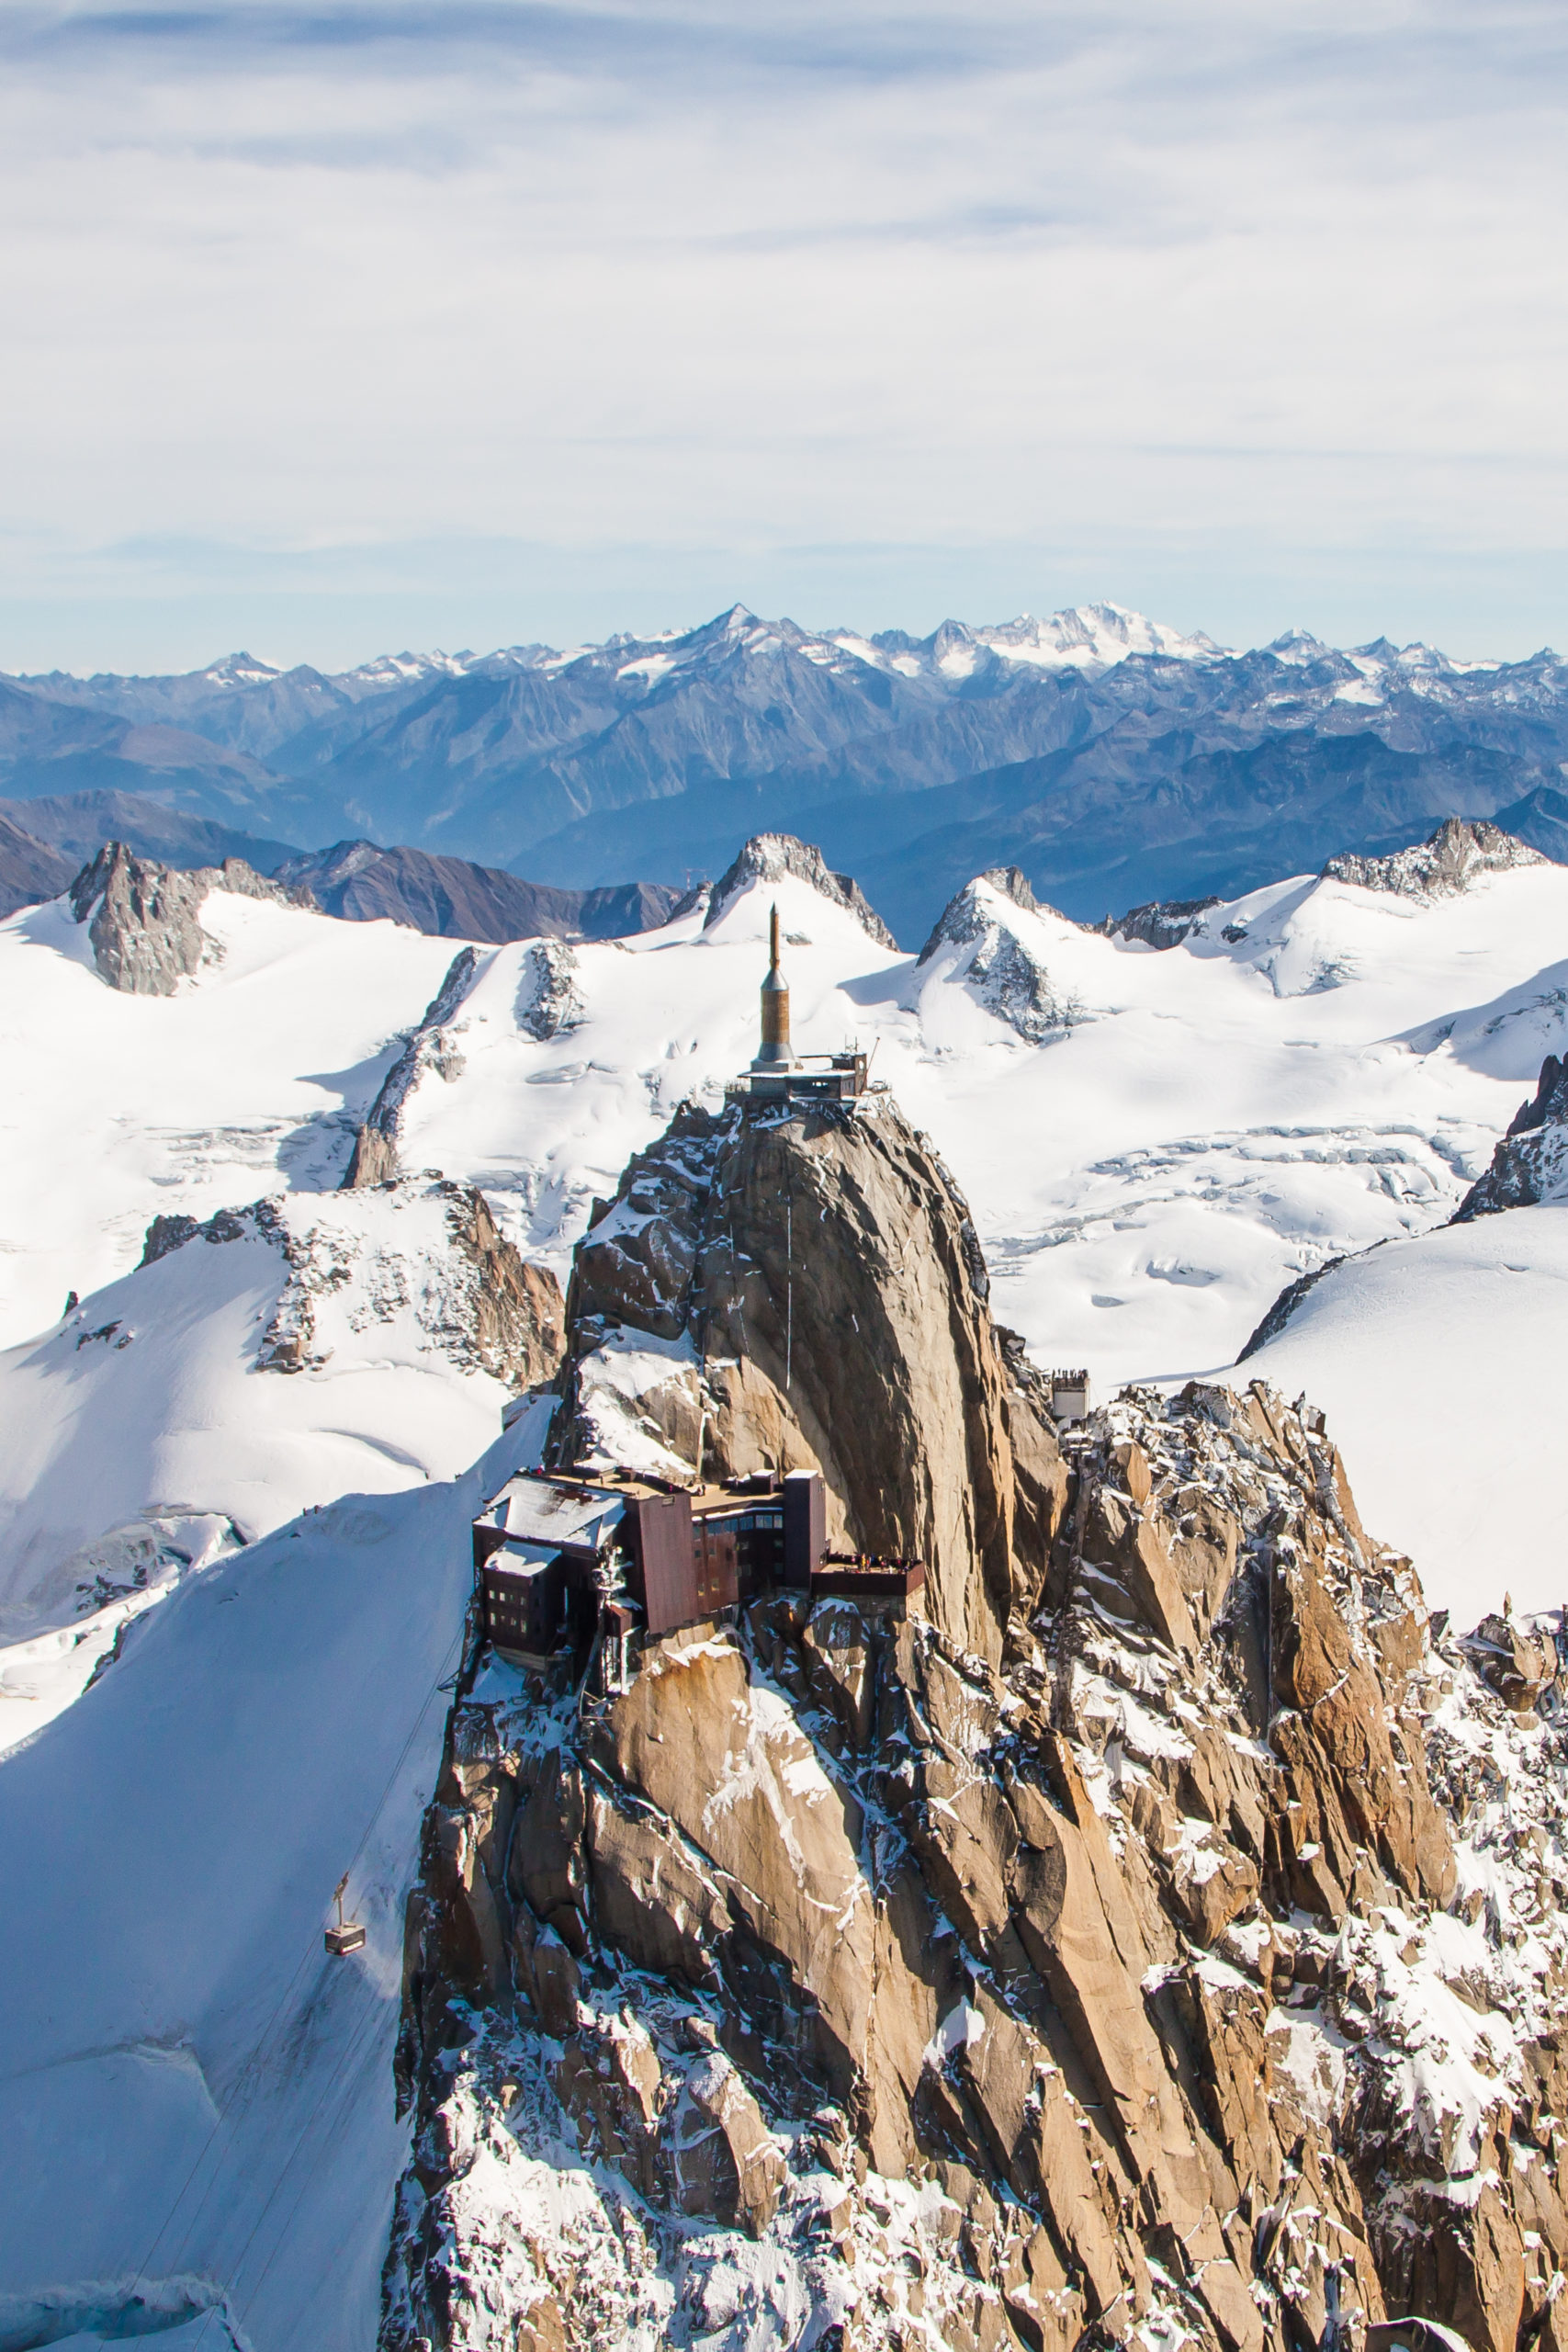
(518, 320)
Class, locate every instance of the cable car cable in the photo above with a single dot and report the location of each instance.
(248, 2080)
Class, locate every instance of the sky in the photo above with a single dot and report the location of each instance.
(336, 329)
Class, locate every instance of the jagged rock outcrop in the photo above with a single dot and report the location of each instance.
(548, 999)
(1185, 1963)
(806, 1288)
(1530, 1163)
(766, 857)
(1442, 866)
(145, 918)
(429, 1047)
(477, 1298)
(1005, 975)
(1161, 923)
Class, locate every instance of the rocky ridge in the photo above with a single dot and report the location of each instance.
(1440, 866)
(1163, 923)
(766, 857)
(485, 1306)
(145, 918)
(429, 1047)
(1530, 1162)
(1004, 972)
(1159, 1935)
(30, 869)
(451, 897)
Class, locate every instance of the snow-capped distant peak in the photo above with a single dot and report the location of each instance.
(402, 668)
(1092, 635)
(1085, 636)
(1296, 646)
(239, 670)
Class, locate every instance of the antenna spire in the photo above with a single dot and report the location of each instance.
(775, 1052)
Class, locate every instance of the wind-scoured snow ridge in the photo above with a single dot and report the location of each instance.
(768, 856)
(375, 1146)
(1447, 862)
(1003, 969)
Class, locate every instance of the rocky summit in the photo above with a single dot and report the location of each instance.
(1149, 1927)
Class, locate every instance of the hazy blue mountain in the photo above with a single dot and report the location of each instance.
(452, 898)
(77, 824)
(29, 870)
(1112, 759)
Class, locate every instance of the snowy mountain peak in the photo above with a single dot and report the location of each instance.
(1095, 636)
(969, 910)
(407, 669)
(999, 960)
(239, 670)
(1297, 646)
(768, 858)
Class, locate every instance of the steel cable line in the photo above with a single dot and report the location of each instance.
(249, 2079)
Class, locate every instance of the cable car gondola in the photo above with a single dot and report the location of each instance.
(347, 1935)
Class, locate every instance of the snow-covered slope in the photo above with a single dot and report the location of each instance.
(1319, 1067)
(192, 2090)
(120, 1108)
(298, 1351)
(1442, 1365)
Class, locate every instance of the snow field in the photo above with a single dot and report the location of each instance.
(118, 1108)
(1440, 1364)
(192, 2089)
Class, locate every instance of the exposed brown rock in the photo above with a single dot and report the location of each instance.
(1081, 1916)
(725, 2161)
(868, 1343)
(609, 2081)
(146, 918)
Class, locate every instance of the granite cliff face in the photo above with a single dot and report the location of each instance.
(1530, 1162)
(1158, 1933)
(807, 1291)
(145, 919)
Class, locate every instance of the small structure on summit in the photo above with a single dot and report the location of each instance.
(778, 1074)
(566, 1562)
(561, 1557)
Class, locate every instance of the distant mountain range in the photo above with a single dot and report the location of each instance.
(452, 898)
(446, 897)
(1110, 757)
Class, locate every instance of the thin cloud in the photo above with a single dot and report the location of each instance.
(586, 279)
